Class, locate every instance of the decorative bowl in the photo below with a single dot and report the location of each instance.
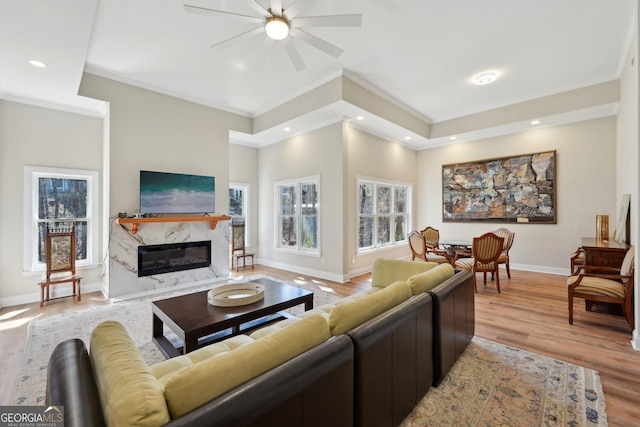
(235, 294)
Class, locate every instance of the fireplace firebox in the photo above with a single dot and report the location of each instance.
(165, 258)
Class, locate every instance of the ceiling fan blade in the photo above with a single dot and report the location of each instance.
(258, 30)
(276, 7)
(328, 21)
(260, 9)
(204, 11)
(314, 41)
(292, 10)
(293, 54)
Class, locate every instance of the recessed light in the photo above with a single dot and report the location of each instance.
(287, 129)
(360, 118)
(453, 138)
(485, 78)
(535, 122)
(37, 63)
(407, 138)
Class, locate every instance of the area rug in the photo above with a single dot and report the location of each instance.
(44, 334)
(496, 385)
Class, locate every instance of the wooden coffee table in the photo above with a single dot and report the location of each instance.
(197, 323)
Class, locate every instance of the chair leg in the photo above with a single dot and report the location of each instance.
(79, 293)
(497, 280)
(570, 308)
(508, 271)
(484, 275)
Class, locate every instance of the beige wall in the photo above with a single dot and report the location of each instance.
(315, 153)
(36, 136)
(586, 187)
(243, 169)
(628, 157)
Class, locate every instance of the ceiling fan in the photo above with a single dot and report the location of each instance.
(280, 24)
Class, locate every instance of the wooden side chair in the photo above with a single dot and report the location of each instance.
(576, 261)
(604, 285)
(60, 255)
(418, 247)
(508, 237)
(238, 250)
(485, 251)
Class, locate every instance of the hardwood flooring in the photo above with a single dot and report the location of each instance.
(530, 313)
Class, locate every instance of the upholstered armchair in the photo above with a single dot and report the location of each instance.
(604, 285)
(508, 237)
(485, 252)
(418, 247)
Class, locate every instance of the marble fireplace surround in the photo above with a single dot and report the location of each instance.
(123, 256)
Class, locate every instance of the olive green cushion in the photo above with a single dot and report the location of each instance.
(130, 394)
(352, 313)
(388, 271)
(423, 282)
(199, 383)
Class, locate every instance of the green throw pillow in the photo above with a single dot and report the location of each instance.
(428, 280)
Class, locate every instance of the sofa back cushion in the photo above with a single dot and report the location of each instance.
(197, 384)
(423, 282)
(130, 394)
(388, 271)
(346, 316)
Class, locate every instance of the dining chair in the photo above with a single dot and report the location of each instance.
(418, 247)
(604, 285)
(576, 261)
(485, 252)
(508, 242)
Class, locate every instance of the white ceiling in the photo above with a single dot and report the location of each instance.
(419, 53)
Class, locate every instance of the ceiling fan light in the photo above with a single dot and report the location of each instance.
(277, 28)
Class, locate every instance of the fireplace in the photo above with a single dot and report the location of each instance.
(165, 258)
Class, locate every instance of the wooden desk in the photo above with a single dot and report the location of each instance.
(603, 253)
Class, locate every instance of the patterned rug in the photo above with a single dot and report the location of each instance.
(496, 385)
(490, 385)
(46, 333)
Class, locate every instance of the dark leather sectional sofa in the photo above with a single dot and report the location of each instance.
(373, 375)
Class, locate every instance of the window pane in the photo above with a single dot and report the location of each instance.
(309, 232)
(236, 202)
(365, 199)
(365, 234)
(288, 231)
(383, 194)
(384, 229)
(400, 228)
(287, 200)
(400, 200)
(62, 198)
(309, 202)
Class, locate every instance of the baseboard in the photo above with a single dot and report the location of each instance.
(541, 269)
(635, 341)
(306, 271)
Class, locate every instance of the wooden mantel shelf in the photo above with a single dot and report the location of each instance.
(134, 222)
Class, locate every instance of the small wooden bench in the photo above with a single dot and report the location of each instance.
(44, 287)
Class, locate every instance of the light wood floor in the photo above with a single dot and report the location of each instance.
(530, 313)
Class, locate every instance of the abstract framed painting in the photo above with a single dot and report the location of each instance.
(507, 189)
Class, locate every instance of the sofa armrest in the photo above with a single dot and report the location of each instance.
(393, 362)
(296, 393)
(70, 383)
(453, 321)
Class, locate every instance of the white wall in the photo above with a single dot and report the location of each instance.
(32, 135)
(586, 187)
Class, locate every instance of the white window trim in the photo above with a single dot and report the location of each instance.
(245, 208)
(375, 247)
(30, 240)
(297, 182)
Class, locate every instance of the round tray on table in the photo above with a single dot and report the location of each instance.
(235, 294)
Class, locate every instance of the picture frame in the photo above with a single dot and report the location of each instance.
(519, 188)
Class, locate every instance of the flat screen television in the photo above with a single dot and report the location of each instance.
(176, 193)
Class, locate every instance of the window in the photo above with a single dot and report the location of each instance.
(60, 194)
(298, 215)
(239, 206)
(383, 214)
